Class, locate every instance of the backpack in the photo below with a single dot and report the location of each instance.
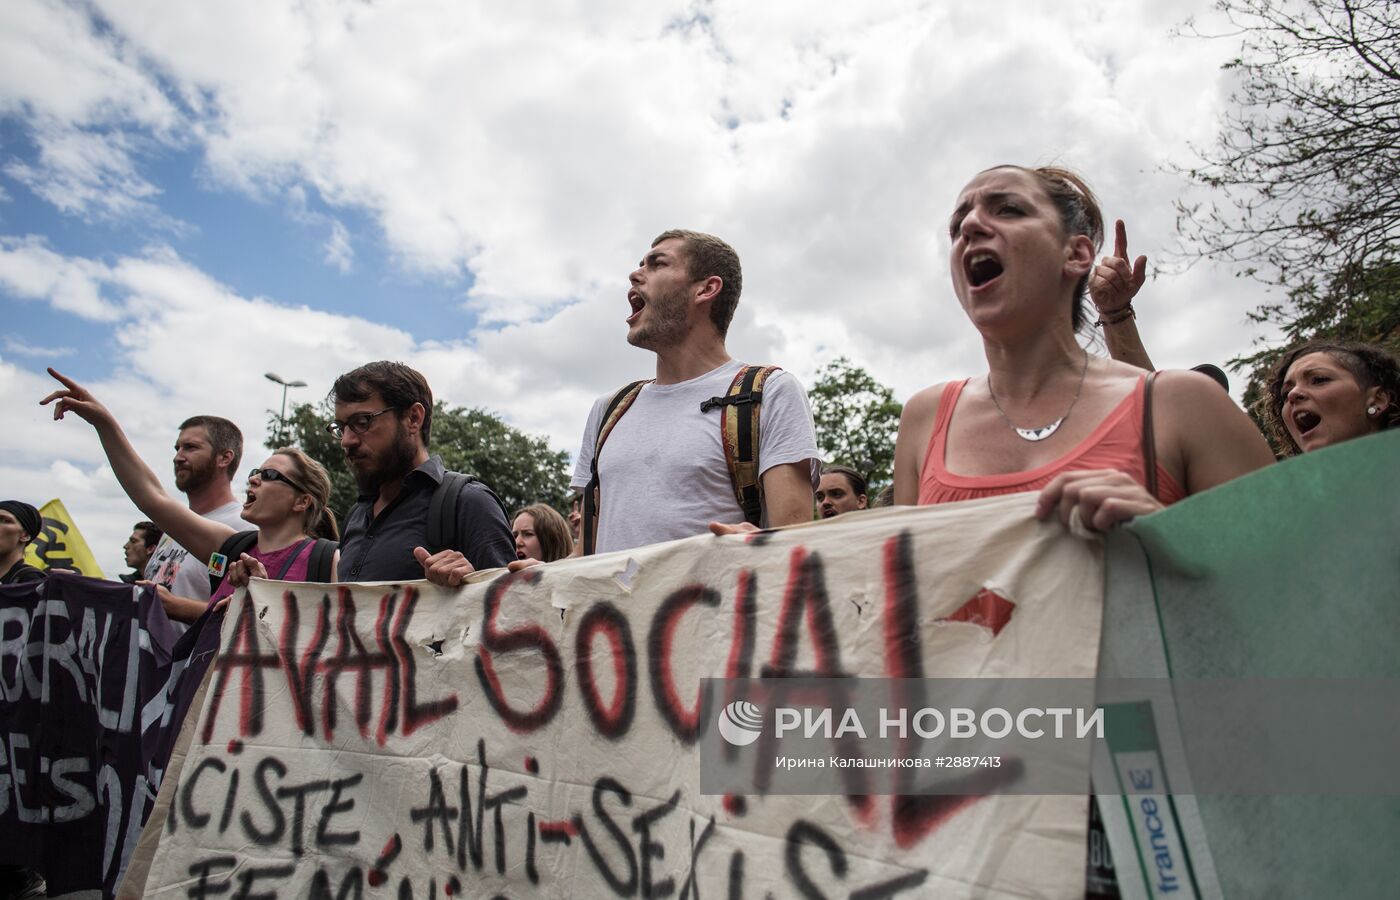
(318, 568)
(442, 509)
(739, 432)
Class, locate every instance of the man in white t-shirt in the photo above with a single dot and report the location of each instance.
(206, 457)
(662, 471)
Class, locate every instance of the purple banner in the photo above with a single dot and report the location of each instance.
(93, 686)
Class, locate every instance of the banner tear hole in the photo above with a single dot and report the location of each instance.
(625, 576)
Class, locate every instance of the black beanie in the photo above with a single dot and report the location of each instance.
(27, 516)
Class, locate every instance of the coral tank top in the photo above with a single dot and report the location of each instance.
(1115, 444)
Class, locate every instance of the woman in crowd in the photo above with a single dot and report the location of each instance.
(1101, 440)
(1048, 416)
(285, 501)
(1324, 392)
(541, 533)
(19, 524)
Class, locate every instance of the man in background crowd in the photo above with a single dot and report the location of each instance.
(207, 453)
(138, 549)
(842, 490)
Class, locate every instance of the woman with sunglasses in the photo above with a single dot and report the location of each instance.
(285, 500)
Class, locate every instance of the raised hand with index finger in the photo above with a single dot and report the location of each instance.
(76, 399)
(1114, 282)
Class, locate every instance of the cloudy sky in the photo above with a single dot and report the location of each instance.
(192, 194)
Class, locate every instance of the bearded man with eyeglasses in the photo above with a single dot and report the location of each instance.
(383, 419)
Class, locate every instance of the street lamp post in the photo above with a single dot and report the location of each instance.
(282, 417)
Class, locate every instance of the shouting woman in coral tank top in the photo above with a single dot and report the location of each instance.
(1048, 416)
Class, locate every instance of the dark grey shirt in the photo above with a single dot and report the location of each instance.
(23, 573)
(380, 548)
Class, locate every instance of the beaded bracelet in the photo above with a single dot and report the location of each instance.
(1114, 317)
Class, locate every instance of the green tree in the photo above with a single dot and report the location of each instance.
(1306, 169)
(857, 418)
(520, 468)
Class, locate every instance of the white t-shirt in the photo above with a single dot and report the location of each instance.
(172, 567)
(662, 474)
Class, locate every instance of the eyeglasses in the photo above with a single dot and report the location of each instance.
(358, 423)
(274, 475)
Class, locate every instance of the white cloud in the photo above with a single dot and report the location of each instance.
(31, 271)
(19, 347)
(87, 173)
(91, 105)
(339, 253)
(57, 65)
(336, 249)
(539, 148)
(183, 344)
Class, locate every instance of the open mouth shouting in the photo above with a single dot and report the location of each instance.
(1305, 420)
(981, 267)
(638, 302)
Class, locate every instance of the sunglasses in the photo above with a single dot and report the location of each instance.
(358, 423)
(273, 475)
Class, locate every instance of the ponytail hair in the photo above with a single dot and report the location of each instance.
(1079, 213)
(318, 520)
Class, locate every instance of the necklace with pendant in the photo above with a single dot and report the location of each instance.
(1044, 431)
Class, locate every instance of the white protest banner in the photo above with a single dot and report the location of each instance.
(536, 734)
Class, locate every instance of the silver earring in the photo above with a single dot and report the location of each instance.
(1372, 411)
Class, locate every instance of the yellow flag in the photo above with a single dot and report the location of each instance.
(59, 544)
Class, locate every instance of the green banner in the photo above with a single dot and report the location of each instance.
(1292, 572)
